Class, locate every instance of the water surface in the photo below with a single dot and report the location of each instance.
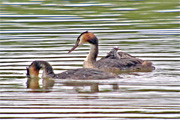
(46, 30)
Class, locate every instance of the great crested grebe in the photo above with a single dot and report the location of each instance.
(119, 62)
(81, 73)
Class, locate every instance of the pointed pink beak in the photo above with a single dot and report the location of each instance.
(73, 48)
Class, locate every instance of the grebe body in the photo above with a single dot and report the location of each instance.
(82, 73)
(114, 61)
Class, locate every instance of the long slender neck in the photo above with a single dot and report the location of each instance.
(47, 70)
(33, 70)
(91, 58)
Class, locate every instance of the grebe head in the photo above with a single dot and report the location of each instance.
(113, 52)
(116, 48)
(84, 38)
(33, 70)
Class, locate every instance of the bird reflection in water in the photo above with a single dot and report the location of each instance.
(33, 84)
(79, 87)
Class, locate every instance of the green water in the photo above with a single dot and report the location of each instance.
(147, 14)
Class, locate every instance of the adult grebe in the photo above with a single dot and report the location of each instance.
(82, 73)
(122, 61)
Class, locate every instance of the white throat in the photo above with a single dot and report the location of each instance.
(91, 57)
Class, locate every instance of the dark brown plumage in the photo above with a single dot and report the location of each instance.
(82, 73)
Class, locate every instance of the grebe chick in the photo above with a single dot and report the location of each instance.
(113, 54)
(81, 74)
(114, 61)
